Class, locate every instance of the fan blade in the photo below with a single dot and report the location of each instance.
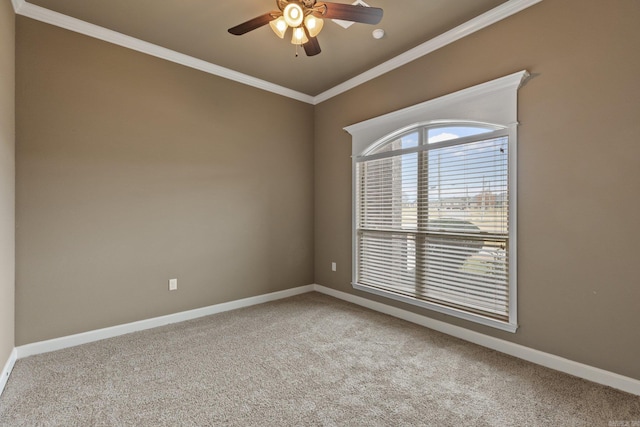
(312, 47)
(354, 13)
(254, 23)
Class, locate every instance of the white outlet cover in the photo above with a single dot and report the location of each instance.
(173, 284)
(333, 266)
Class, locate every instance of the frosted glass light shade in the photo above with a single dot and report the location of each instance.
(279, 26)
(299, 36)
(313, 24)
(293, 14)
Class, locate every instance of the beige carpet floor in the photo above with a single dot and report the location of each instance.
(306, 360)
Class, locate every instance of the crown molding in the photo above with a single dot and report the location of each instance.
(63, 21)
(496, 14)
(511, 7)
(16, 5)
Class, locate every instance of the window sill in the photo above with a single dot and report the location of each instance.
(486, 321)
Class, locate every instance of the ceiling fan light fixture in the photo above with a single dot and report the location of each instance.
(299, 37)
(279, 26)
(293, 15)
(305, 19)
(313, 24)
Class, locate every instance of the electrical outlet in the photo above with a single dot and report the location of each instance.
(333, 266)
(173, 284)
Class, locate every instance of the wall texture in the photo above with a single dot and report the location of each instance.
(132, 170)
(579, 178)
(7, 180)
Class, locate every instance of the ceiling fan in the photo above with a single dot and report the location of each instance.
(305, 17)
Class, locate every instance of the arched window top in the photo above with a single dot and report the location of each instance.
(429, 133)
(455, 131)
(434, 219)
(395, 142)
(491, 102)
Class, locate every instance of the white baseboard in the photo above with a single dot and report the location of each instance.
(114, 331)
(596, 375)
(600, 376)
(8, 367)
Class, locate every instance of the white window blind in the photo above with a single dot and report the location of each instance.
(435, 203)
(432, 218)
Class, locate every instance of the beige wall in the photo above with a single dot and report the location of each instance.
(7, 180)
(579, 173)
(132, 170)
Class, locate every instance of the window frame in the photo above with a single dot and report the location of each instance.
(492, 104)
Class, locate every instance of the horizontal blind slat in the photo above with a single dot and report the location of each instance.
(434, 224)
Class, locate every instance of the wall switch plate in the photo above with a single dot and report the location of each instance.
(333, 266)
(173, 284)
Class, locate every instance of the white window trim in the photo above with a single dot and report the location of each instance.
(494, 102)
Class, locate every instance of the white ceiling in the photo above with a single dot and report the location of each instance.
(194, 33)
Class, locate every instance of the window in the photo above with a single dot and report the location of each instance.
(434, 205)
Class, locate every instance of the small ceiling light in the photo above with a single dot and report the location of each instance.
(279, 26)
(313, 24)
(299, 37)
(378, 33)
(293, 14)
